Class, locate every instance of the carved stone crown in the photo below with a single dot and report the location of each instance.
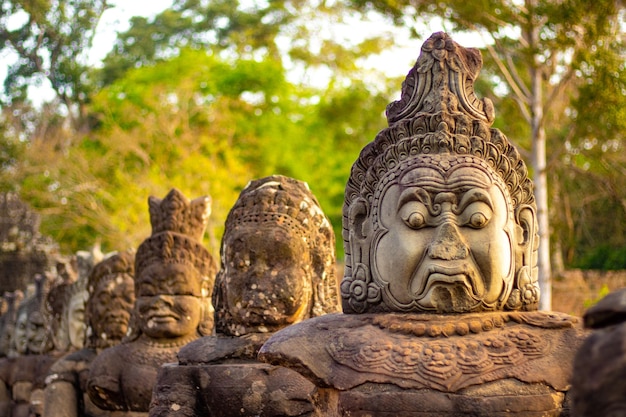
(279, 200)
(119, 263)
(177, 228)
(176, 214)
(438, 113)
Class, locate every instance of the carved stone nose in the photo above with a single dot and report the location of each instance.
(448, 244)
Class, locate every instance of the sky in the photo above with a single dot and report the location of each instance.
(395, 62)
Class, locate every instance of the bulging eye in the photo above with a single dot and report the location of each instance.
(415, 220)
(413, 214)
(478, 221)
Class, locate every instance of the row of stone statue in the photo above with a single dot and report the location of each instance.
(439, 294)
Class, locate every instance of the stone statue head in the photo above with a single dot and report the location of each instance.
(19, 342)
(439, 213)
(74, 313)
(32, 326)
(7, 321)
(111, 291)
(277, 259)
(174, 272)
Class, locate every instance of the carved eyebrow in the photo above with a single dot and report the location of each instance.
(473, 195)
(414, 194)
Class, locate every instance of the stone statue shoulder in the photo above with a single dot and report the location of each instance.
(446, 353)
(216, 349)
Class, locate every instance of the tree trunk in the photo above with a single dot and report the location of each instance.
(538, 161)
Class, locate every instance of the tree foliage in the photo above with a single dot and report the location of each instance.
(205, 125)
(50, 39)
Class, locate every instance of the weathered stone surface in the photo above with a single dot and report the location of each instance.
(110, 287)
(599, 376)
(277, 269)
(173, 277)
(440, 283)
(24, 252)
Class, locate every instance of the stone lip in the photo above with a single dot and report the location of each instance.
(445, 353)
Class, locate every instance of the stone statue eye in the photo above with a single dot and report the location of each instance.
(478, 220)
(415, 220)
(413, 214)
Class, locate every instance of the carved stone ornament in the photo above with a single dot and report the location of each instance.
(440, 283)
(110, 286)
(277, 269)
(440, 203)
(173, 276)
(22, 375)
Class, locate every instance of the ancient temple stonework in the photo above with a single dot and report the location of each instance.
(440, 285)
(174, 274)
(277, 269)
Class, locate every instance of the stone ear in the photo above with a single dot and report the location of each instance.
(527, 221)
(357, 217)
(359, 231)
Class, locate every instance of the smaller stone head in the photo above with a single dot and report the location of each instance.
(7, 321)
(439, 213)
(32, 326)
(174, 271)
(278, 259)
(74, 313)
(111, 297)
(19, 342)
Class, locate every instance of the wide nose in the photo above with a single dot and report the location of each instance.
(448, 244)
(161, 300)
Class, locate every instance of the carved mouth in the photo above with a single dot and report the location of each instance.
(162, 317)
(439, 275)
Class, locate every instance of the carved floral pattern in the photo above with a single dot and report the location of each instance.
(447, 364)
(359, 289)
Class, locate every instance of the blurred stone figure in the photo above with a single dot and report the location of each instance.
(440, 283)
(22, 383)
(599, 376)
(111, 297)
(277, 268)
(7, 321)
(174, 274)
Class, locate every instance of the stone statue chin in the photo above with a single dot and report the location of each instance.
(440, 289)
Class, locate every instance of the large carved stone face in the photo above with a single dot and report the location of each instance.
(448, 242)
(76, 319)
(20, 337)
(268, 276)
(36, 333)
(110, 306)
(169, 300)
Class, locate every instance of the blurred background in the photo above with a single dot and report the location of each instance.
(104, 103)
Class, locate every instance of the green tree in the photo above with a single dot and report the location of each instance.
(539, 50)
(295, 32)
(50, 39)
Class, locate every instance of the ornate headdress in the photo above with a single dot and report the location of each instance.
(438, 114)
(286, 202)
(103, 271)
(109, 268)
(177, 228)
